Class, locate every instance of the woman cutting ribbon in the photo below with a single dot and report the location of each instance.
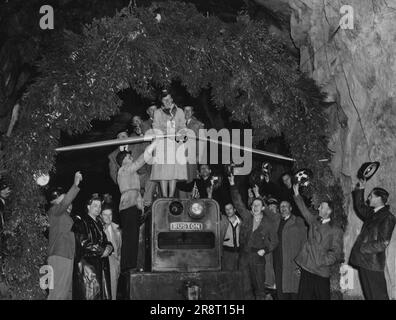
(169, 163)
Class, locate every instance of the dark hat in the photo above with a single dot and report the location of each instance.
(164, 93)
(367, 170)
(272, 201)
(303, 177)
(56, 193)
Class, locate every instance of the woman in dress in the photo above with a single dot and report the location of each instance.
(169, 164)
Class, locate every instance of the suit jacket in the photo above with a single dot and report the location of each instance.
(324, 246)
(195, 125)
(61, 238)
(115, 240)
(264, 237)
(369, 249)
(147, 125)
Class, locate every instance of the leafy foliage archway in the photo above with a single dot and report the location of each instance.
(249, 72)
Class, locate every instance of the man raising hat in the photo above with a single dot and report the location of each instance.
(368, 252)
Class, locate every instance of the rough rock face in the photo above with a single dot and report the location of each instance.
(357, 68)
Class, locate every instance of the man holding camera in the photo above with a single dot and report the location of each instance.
(206, 184)
(368, 252)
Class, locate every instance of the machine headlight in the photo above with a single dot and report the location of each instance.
(196, 210)
(176, 208)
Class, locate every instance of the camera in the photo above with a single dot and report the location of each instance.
(214, 179)
(232, 168)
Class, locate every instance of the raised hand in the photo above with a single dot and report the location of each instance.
(77, 178)
(361, 184)
(231, 179)
(107, 251)
(256, 191)
(261, 252)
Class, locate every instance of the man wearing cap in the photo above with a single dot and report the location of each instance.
(194, 125)
(113, 165)
(368, 252)
(61, 248)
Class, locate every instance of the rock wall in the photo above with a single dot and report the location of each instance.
(357, 67)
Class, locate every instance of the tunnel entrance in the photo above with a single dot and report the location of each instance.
(94, 163)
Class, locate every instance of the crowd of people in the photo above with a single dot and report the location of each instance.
(282, 247)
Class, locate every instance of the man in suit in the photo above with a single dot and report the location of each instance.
(148, 124)
(194, 125)
(61, 246)
(292, 235)
(113, 234)
(368, 252)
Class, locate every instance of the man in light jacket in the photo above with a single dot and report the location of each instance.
(322, 250)
(61, 248)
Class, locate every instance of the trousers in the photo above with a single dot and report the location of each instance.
(229, 260)
(373, 284)
(130, 237)
(313, 287)
(62, 278)
(253, 270)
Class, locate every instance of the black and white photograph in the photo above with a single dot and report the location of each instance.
(216, 150)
